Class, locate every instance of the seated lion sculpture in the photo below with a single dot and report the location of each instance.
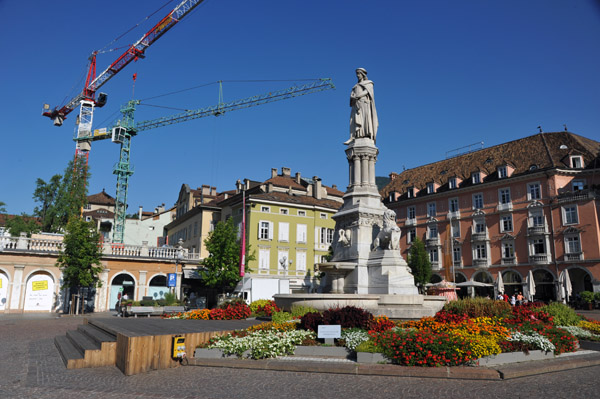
(389, 236)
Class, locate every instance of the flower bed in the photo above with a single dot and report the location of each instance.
(232, 311)
(458, 335)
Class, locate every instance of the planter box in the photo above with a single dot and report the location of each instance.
(367, 357)
(589, 345)
(322, 351)
(513, 357)
(203, 353)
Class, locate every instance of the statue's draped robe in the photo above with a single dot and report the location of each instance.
(363, 117)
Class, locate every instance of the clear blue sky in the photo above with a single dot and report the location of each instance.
(446, 73)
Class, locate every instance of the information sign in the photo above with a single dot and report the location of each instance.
(333, 331)
(39, 285)
(172, 280)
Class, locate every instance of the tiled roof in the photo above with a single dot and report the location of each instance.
(540, 151)
(100, 214)
(297, 200)
(334, 191)
(101, 199)
(285, 181)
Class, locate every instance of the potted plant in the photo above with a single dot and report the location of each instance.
(588, 298)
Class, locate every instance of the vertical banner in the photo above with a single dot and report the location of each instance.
(243, 236)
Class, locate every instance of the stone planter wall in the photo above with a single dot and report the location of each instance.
(514, 357)
(367, 357)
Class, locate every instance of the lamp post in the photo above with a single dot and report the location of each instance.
(178, 260)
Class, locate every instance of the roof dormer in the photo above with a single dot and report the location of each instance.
(505, 170)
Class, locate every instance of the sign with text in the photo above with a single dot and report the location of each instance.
(333, 331)
(39, 285)
(172, 280)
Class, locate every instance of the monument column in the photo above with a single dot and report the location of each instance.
(357, 173)
(364, 159)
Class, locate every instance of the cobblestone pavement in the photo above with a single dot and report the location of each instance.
(31, 367)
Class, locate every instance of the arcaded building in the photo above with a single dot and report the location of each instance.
(526, 205)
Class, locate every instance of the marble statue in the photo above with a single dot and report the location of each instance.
(389, 235)
(363, 117)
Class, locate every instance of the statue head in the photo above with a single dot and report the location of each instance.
(361, 72)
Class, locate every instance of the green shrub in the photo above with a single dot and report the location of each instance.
(258, 303)
(161, 302)
(300, 310)
(148, 302)
(170, 299)
(587, 296)
(281, 317)
(562, 314)
(478, 307)
(597, 296)
(368, 346)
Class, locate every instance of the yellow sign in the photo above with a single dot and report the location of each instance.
(0, 283)
(39, 285)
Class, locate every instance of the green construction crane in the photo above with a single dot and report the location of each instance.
(123, 131)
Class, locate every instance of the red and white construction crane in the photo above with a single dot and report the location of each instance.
(87, 100)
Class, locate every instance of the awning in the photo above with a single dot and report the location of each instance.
(473, 284)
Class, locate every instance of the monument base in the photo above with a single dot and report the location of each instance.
(389, 274)
(400, 307)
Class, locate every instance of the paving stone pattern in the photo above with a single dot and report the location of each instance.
(30, 367)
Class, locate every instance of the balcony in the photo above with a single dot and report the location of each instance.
(410, 222)
(574, 256)
(436, 266)
(505, 207)
(509, 261)
(483, 236)
(537, 230)
(481, 262)
(453, 215)
(539, 259)
(581, 195)
(432, 242)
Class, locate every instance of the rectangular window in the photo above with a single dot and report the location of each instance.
(431, 210)
(456, 255)
(533, 191)
(326, 235)
(455, 229)
(284, 232)
(504, 196)
(478, 201)
(479, 226)
(508, 250)
(576, 162)
(323, 216)
(263, 259)
(502, 172)
(432, 231)
(539, 246)
(433, 255)
(570, 214)
(578, 185)
(264, 230)
(573, 245)
(430, 188)
(410, 192)
(301, 233)
(301, 213)
(453, 204)
(506, 223)
(300, 261)
(480, 251)
(410, 236)
(476, 177)
(265, 209)
(536, 218)
(452, 182)
(284, 211)
(411, 212)
(330, 235)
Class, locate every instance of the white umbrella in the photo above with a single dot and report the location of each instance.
(500, 283)
(565, 286)
(530, 286)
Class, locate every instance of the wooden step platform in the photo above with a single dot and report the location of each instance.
(137, 345)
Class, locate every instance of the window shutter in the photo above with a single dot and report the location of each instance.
(270, 230)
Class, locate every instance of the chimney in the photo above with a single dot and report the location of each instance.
(270, 187)
(205, 189)
(334, 186)
(298, 177)
(286, 171)
(140, 212)
(238, 186)
(273, 172)
(246, 184)
(213, 191)
(317, 187)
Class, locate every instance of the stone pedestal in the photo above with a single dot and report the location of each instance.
(389, 274)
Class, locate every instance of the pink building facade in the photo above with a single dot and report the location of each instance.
(527, 205)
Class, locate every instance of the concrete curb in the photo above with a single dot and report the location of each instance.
(503, 372)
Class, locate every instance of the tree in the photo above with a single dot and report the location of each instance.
(63, 197)
(420, 266)
(22, 224)
(222, 264)
(2, 207)
(79, 259)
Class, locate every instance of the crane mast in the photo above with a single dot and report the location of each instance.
(125, 129)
